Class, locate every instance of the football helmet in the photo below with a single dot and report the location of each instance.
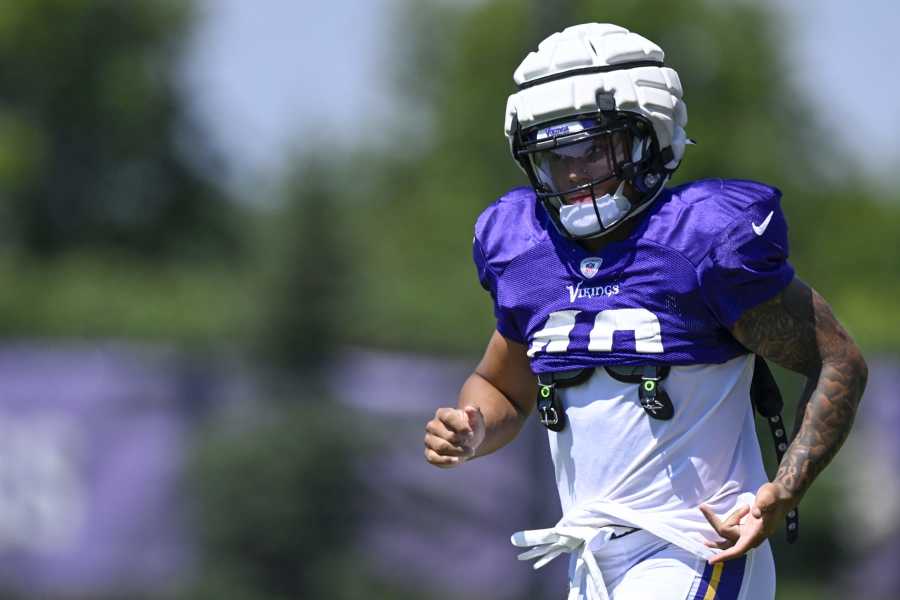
(597, 124)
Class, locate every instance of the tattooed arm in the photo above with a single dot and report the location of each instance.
(798, 331)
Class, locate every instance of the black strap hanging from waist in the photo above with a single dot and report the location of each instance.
(766, 398)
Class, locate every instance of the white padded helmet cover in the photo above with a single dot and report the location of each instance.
(651, 91)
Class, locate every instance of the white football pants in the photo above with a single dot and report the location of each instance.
(641, 566)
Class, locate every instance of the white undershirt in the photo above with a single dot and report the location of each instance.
(612, 451)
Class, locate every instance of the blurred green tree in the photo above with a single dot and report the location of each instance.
(96, 147)
(308, 271)
(278, 507)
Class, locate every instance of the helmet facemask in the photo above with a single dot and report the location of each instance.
(592, 172)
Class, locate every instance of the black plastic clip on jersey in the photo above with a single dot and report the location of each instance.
(651, 394)
(767, 400)
(549, 406)
(653, 397)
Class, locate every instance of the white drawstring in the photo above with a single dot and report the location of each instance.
(578, 528)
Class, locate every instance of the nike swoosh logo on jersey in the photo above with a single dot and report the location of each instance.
(615, 536)
(761, 228)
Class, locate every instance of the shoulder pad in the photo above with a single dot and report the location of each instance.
(692, 217)
(513, 224)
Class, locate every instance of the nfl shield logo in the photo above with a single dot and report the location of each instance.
(590, 266)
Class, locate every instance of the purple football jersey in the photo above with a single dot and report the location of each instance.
(701, 255)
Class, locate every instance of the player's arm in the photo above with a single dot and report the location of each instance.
(493, 404)
(797, 330)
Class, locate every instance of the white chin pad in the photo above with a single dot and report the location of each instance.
(581, 219)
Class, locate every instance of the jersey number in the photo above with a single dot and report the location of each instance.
(554, 337)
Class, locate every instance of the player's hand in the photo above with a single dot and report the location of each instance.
(453, 436)
(748, 526)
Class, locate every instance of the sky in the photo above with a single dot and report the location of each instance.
(262, 80)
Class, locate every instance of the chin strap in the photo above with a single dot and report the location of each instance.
(596, 216)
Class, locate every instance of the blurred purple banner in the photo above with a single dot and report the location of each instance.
(869, 465)
(92, 445)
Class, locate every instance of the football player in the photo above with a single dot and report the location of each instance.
(635, 314)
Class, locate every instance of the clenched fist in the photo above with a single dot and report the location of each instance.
(453, 436)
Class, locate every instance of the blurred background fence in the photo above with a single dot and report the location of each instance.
(223, 331)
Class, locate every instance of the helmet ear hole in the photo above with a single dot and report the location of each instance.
(650, 179)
